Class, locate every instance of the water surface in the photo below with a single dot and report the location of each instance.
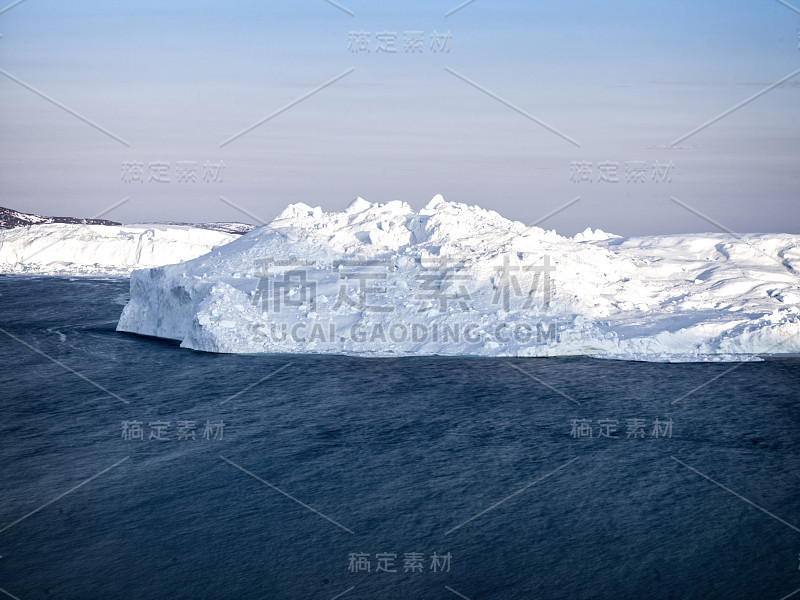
(334, 456)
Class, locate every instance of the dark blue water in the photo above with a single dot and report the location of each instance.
(466, 457)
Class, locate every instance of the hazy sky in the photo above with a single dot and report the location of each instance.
(622, 78)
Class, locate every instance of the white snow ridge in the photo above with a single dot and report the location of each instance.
(452, 279)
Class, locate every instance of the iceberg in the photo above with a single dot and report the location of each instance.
(453, 279)
(101, 250)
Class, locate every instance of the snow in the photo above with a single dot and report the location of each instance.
(67, 249)
(453, 279)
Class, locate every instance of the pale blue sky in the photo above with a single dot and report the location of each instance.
(623, 78)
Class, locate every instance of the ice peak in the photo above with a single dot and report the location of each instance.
(435, 202)
(299, 209)
(358, 205)
(589, 235)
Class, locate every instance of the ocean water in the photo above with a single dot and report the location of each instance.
(447, 478)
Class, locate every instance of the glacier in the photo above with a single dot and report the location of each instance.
(458, 280)
(101, 250)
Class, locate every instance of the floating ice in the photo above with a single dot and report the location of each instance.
(452, 279)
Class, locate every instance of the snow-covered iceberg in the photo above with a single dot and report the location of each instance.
(70, 249)
(452, 279)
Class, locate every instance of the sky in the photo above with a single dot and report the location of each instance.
(570, 110)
